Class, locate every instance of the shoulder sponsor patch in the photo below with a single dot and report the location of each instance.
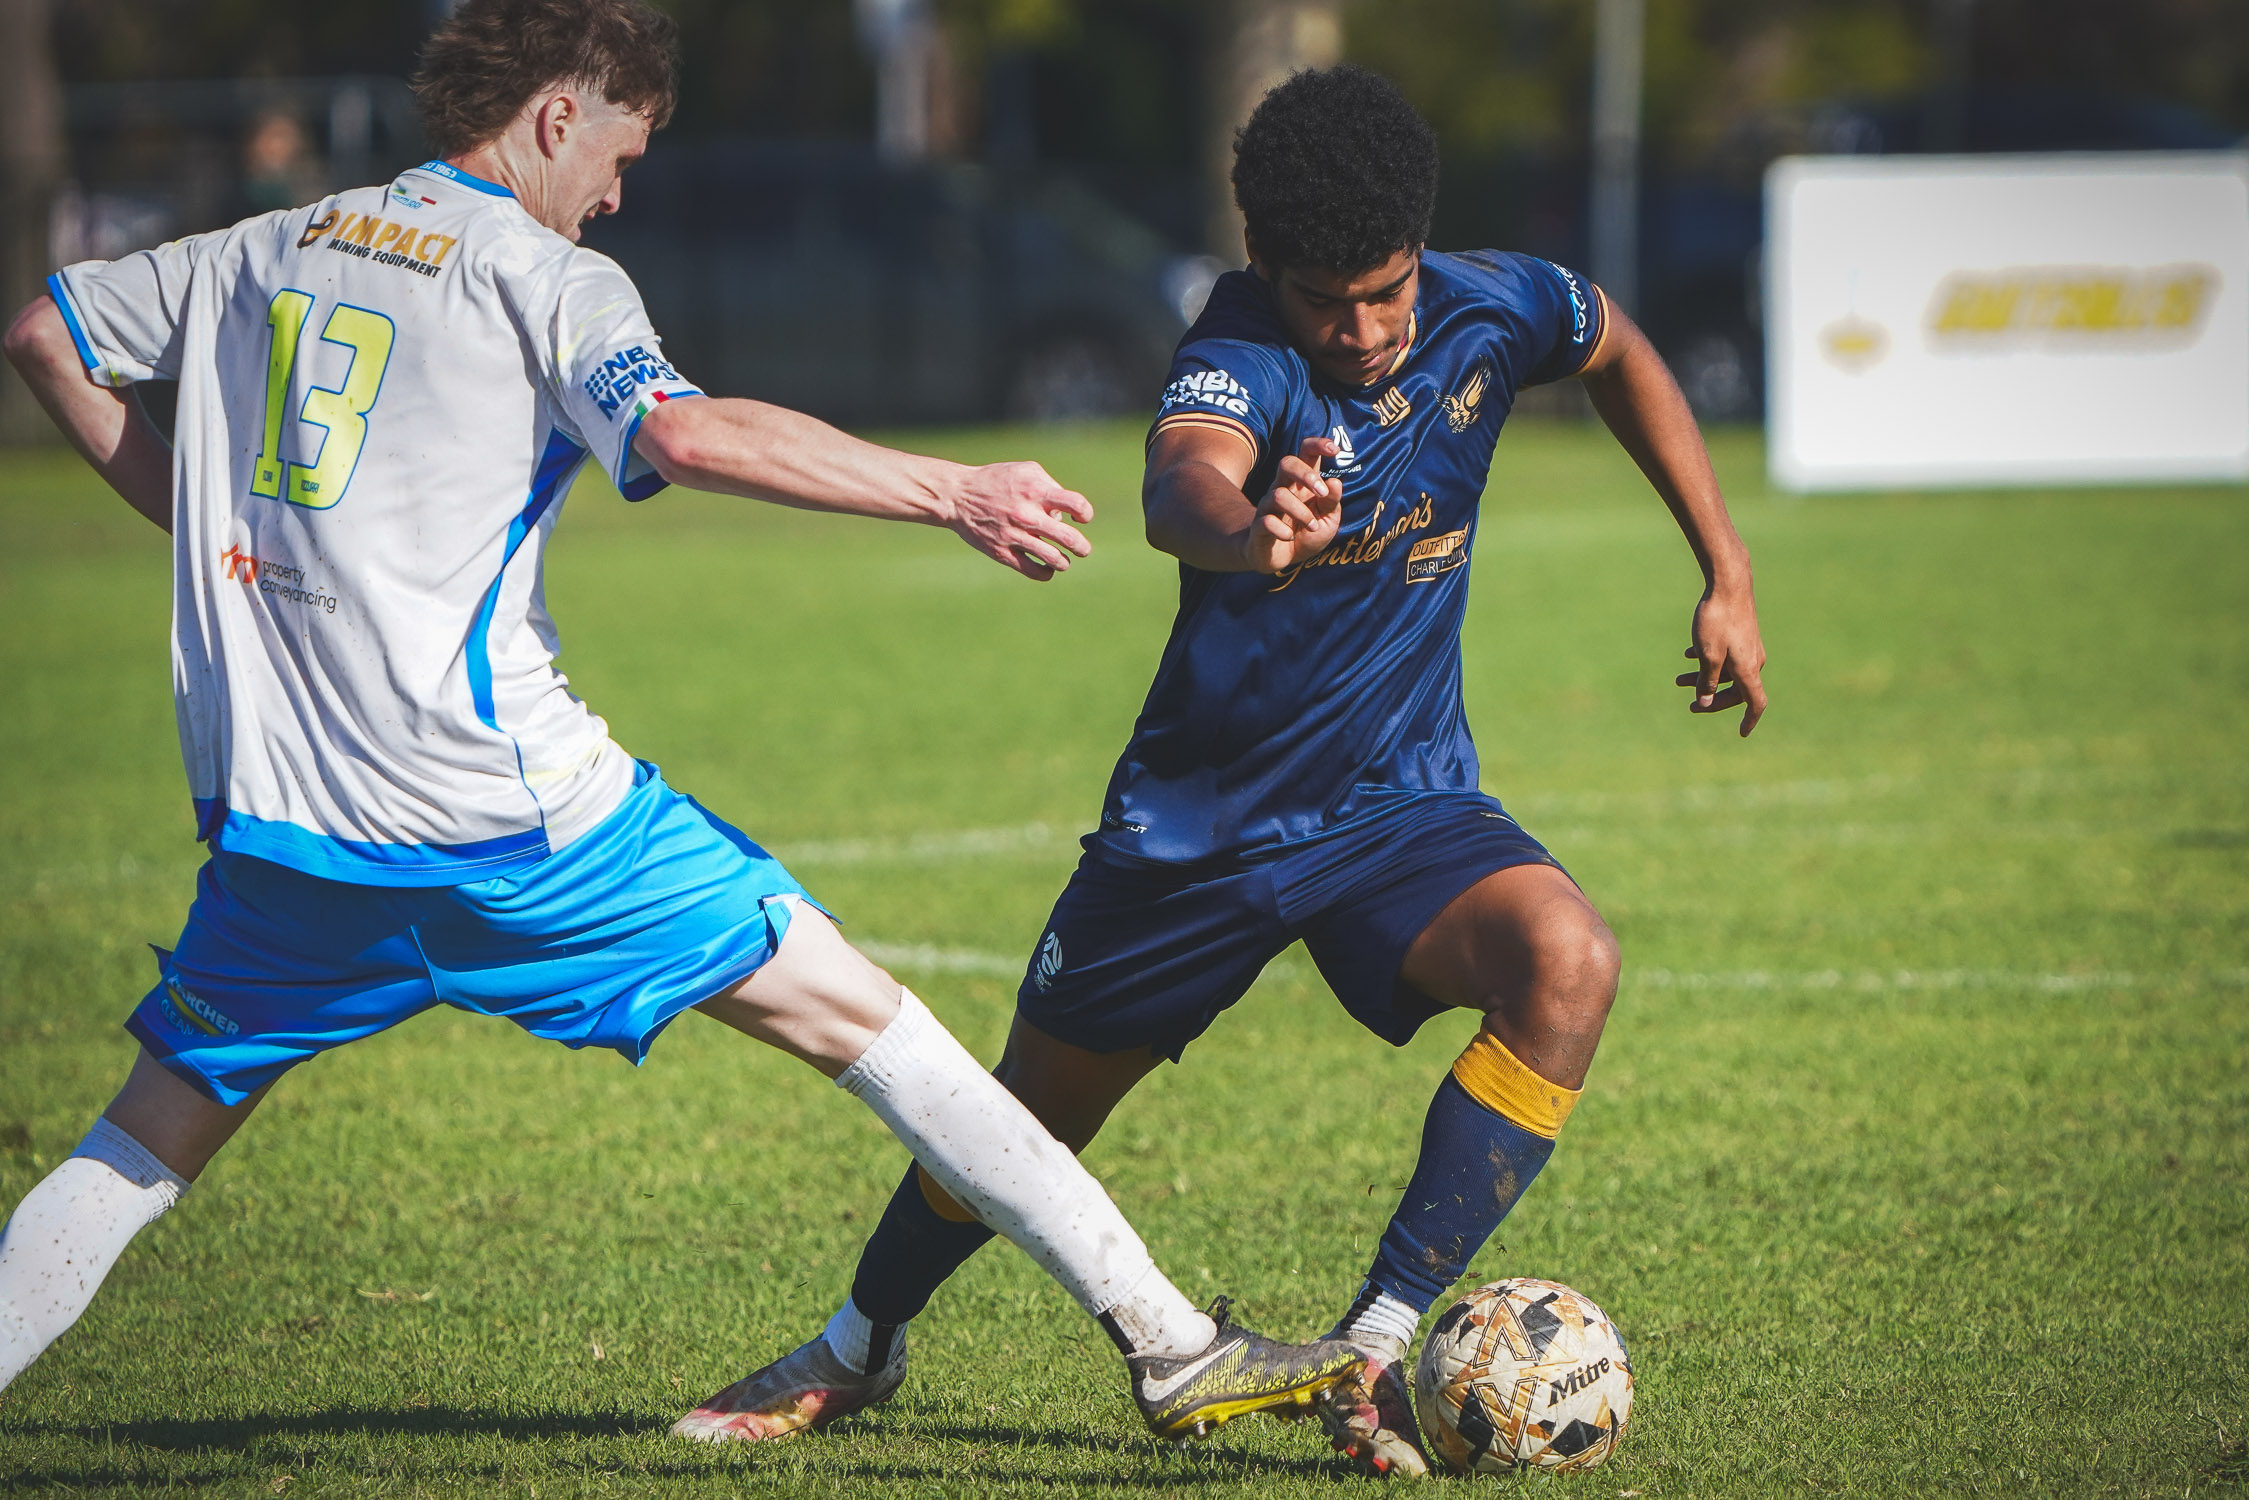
(1206, 390)
(616, 378)
(1581, 307)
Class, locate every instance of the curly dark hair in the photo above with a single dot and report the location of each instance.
(494, 56)
(1335, 170)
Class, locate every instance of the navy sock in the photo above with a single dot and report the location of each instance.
(911, 1253)
(1475, 1162)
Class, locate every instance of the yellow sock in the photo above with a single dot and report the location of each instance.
(1504, 1084)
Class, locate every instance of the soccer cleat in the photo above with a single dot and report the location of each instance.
(798, 1392)
(1371, 1417)
(1238, 1372)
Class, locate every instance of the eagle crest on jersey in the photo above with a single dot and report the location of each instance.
(1461, 409)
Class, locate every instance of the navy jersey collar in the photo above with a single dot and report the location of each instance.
(452, 173)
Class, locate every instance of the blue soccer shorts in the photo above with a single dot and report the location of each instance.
(658, 908)
(1145, 954)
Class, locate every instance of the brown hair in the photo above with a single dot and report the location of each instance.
(494, 56)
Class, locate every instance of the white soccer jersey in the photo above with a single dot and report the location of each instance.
(383, 400)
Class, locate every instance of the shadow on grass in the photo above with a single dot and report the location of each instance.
(832, 1454)
(411, 1421)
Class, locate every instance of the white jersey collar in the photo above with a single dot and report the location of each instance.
(454, 174)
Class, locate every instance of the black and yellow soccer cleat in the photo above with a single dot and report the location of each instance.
(1237, 1373)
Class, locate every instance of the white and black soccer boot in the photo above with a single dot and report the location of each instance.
(799, 1392)
(1371, 1416)
(1238, 1372)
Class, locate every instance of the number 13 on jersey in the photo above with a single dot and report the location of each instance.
(340, 415)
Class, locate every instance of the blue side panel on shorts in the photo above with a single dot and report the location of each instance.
(600, 944)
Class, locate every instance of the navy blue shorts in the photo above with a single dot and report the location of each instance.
(1145, 954)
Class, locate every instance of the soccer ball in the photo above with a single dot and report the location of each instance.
(1523, 1372)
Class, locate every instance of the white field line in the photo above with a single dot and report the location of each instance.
(1823, 791)
(923, 848)
(1041, 838)
(1851, 835)
(927, 958)
(1905, 981)
(1038, 838)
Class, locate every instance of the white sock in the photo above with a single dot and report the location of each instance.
(864, 1345)
(1375, 1314)
(66, 1234)
(998, 1162)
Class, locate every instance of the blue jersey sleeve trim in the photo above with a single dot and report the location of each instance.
(367, 863)
(452, 173)
(640, 486)
(59, 289)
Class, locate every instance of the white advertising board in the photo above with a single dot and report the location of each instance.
(2006, 319)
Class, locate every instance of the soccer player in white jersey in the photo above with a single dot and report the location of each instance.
(383, 399)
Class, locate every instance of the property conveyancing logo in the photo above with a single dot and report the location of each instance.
(274, 579)
(2073, 307)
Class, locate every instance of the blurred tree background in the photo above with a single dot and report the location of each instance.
(1121, 88)
(1137, 99)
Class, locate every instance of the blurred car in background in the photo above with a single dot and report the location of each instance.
(871, 292)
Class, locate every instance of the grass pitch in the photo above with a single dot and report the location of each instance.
(1916, 1161)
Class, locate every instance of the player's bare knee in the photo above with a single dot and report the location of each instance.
(1577, 960)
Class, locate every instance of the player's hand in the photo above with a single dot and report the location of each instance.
(1732, 655)
(1013, 514)
(1298, 519)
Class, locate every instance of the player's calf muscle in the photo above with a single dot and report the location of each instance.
(179, 1126)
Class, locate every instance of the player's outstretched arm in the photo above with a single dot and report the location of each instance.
(108, 427)
(1013, 513)
(1198, 512)
(1633, 391)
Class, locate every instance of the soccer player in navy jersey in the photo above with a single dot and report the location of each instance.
(1302, 768)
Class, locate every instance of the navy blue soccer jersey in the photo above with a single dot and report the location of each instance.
(1288, 705)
